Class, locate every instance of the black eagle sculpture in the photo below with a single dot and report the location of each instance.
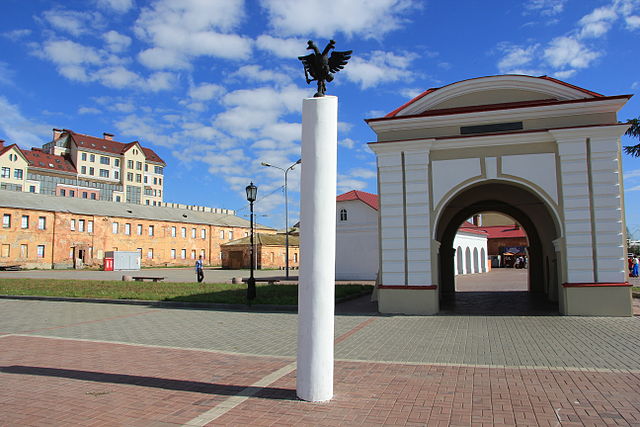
(321, 66)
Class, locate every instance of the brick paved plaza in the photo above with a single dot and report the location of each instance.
(66, 363)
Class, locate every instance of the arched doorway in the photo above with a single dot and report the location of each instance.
(529, 210)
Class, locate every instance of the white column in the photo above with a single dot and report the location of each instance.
(417, 216)
(316, 288)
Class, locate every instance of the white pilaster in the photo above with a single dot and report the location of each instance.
(418, 221)
(316, 288)
(391, 218)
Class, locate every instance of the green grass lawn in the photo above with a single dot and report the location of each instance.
(164, 291)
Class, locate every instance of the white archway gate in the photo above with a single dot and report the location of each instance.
(554, 144)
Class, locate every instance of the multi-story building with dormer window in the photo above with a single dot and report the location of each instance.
(83, 166)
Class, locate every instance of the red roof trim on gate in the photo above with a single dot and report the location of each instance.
(367, 198)
(412, 287)
(596, 285)
(495, 107)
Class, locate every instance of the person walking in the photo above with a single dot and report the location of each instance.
(636, 263)
(199, 270)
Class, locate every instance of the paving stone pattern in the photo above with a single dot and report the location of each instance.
(64, 363)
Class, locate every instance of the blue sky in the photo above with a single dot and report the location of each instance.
(215, 88)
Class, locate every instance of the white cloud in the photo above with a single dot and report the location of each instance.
(118, 77)
(347, 143)
(18, 129)
(6, 74)
(325, 18)
(363, 173)
(159, 81)
(256, 73)
(598, 22)
(410, 92)
(516, 57)
(73, 22)
(347, 183)
(381, 67)
(65, 52)
(546, 7)
(564, 74)
(206, 91)
(635, 85)
(89, 110)
(567, 51)
(282, 47)
(16, 35)
(119, 6)
(180, 31)
(635, 173)
(116, 42)
(633, 22)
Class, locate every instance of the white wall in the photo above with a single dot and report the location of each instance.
(470, 248)
(356, 242)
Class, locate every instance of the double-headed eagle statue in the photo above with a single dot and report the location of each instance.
(320, 66)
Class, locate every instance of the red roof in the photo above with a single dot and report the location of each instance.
(468, 227)
(428, 91)
(110, 146)
(7, 148)
(39, 159)
(363, 196)
(504, 231)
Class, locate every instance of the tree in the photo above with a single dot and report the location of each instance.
(634, 131)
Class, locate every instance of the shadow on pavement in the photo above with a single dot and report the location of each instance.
(498, 304)
(163, 383)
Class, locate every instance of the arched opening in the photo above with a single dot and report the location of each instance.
(476, 263)
(483, 261)
(467, 259)
(541, 227)
(460, 270)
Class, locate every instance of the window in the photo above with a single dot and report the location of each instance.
(147, 201)
(114, 228)
(5, 251)
(230, 235)
(145, 180)
(72, 226)
(173, 232)
(343, 214)
(295, 257)
(6, 221)
(151, 230)
(93, 196)
(32, 189)
(155, 181)
(63, 192)
(173, 254)
(92, 171)
(130, 164)
(183, 254)
(84, 194)
(146, 167)
(72, 193)
(193, 254)
(246, 234)
(83, 170)
(116, 162)
(202, 253)
(160, 181)
(84, 156)
(139, 166)
(40, 252)
(81, 225)
(127, 229)
(138, 177)
(24, 251)
(104, 160)
(139, 230)
(118, 199)
(42, 223)
(129, 177)
(150, 253)
(158, 169)
(17, 173)
(6, 173)
(90, 226)
(193, 233)
(92, 158)
(25, 221)
(184, 232)
(104, 173)
(222, 234)
(203, 233)
(116, 175)
(139, 251)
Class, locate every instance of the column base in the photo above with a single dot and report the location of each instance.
(597, 299)
(408, 299)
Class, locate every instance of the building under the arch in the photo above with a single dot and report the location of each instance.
(539, 150)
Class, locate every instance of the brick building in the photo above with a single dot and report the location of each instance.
(39, 231)
(270, 251)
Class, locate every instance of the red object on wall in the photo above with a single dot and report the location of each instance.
(108, 264)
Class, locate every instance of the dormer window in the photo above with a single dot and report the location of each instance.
(343, 214)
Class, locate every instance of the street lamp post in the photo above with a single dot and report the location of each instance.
(252, 192)
(286, 210)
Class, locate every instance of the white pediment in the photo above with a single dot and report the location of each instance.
(494, 90)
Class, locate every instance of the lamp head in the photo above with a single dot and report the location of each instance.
(252, 192)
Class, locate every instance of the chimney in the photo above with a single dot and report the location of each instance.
(107, 136)
(1, 143)
(56, 133)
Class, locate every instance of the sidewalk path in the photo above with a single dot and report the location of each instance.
(64, 363)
